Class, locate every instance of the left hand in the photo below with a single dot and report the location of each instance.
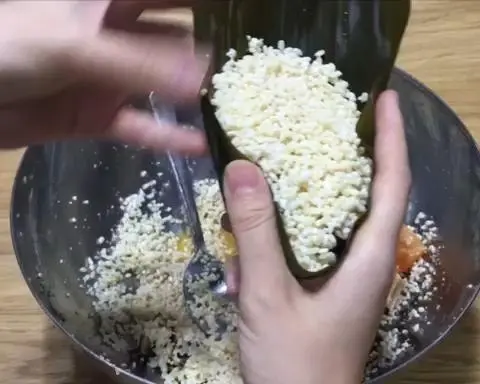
(292, 335)
(67, 68)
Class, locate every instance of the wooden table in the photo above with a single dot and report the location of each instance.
(442, 49)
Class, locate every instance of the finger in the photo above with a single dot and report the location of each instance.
(262, 266)
(391, 184)
(131, 9)
(138, 6)
(70, 114)
(371, 259)
(140, 128)
(57, 118)
(138, 64)
(163, 29)
(392, 179)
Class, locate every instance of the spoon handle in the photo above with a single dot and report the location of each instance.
(165, 113)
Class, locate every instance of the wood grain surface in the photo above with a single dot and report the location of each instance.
(442, 49)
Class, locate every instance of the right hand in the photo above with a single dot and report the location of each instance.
(67, 68)
(289, 335)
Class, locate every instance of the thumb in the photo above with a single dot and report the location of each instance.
(252, 216)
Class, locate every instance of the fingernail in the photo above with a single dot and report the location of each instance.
(242, 178)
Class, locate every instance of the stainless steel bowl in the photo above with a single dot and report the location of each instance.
(445, 164)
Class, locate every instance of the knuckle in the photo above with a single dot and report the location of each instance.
(252, 214)
(263, 300)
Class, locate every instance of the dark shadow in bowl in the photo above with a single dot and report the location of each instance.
(51, 247)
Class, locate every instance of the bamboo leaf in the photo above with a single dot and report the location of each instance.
(362, 38)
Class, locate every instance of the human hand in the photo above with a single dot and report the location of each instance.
(291, 335)
(67, 68)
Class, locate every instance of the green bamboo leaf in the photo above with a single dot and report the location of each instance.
(361, 37)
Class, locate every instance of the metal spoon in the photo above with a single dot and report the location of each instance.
(204, 286)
